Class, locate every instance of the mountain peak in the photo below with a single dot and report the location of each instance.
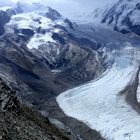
(122, 16)
(30, 7)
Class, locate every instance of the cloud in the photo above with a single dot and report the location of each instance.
(68, 7)
(74, 6)
(5, 3)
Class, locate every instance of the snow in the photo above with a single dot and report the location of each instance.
(135, 19)
(5, 8)
(99, 104)
(60, 22)
(138, 91)
(56, 71)
(119, 12)
(34, 21)
(56, 30)
(39, 40)
(30, 20)
(129, 6)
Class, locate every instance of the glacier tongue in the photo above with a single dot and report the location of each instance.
(99, 103)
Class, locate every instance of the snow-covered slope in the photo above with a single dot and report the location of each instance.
(109, 103)
(123, 16)
(89, 12)
(44, 10)
(38, 22)
(32, 22)
(5, 8)
(43, 29)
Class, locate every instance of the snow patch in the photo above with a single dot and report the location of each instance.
(39, 40)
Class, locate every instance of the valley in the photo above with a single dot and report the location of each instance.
(70, 80)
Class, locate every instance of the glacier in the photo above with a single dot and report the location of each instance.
(102, 103)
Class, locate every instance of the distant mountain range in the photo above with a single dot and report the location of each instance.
(121, 16)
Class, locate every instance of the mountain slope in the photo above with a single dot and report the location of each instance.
(43, 54)
(53, 43)
(17, 121)
(109, 104)
(123, 16)
(40, 57)
(5, 15)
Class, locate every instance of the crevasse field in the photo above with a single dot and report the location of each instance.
(100, 103)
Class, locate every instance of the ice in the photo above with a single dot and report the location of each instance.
(30, 20)
(99, 103)
(39, 40)
(5, 8)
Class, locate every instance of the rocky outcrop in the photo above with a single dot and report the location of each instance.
(53, 14)
(5, 16)
(43, 59)
(17, 121)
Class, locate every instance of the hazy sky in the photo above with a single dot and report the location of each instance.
(66, 7)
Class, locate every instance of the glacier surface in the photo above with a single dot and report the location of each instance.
(100, 104)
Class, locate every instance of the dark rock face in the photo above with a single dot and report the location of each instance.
(32, 77)
(31, 66)
(58, 38)
(53, 14)
(8, 99)
(4, 18)
(1, 30)
(132, 28)
(40, 74)
(70, 24)
(24, 32)
(27, 32)
(17, 121)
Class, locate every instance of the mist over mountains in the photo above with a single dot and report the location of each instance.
(67, 8)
